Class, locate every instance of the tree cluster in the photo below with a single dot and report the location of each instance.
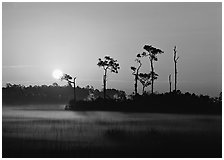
(174, 102)
(146, 79)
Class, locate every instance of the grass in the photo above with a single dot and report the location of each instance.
(99, 135)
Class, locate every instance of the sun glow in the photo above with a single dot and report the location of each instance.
(57, 74)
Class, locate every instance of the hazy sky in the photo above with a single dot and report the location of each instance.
(40, 37)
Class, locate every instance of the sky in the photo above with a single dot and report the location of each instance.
(38, 38)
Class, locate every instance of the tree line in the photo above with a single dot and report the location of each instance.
(170, 102)
(51, 94)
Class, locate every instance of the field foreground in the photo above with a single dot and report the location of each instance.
(49, 131)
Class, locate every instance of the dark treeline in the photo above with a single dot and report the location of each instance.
(89, 98)
(14, 94)
(172, 102)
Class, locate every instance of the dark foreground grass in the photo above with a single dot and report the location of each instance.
(116, 141)
(125, 145)
(144, 135)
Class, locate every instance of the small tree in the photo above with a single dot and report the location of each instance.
(145, 80)
(68, 78)
(107, 64)
(175, 58)
(136, 71)
(152, 54)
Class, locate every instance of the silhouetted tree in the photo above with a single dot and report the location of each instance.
(68, 78)
(145, 80)
(136, 71)
(175, 58)
(107, 64)
(152, 54)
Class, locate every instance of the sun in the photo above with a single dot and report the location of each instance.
(57, 74)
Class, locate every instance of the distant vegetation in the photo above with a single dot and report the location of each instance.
(89, 98)
(52, 94)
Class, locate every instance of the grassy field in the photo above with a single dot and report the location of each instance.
(56, 133)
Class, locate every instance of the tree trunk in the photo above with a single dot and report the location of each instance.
(175, 58)
(104, 84)
(151, 62)
(175, 67)
(143, 89)
(136, 81)
(170, 83)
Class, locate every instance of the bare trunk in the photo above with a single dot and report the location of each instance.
(175, 58)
